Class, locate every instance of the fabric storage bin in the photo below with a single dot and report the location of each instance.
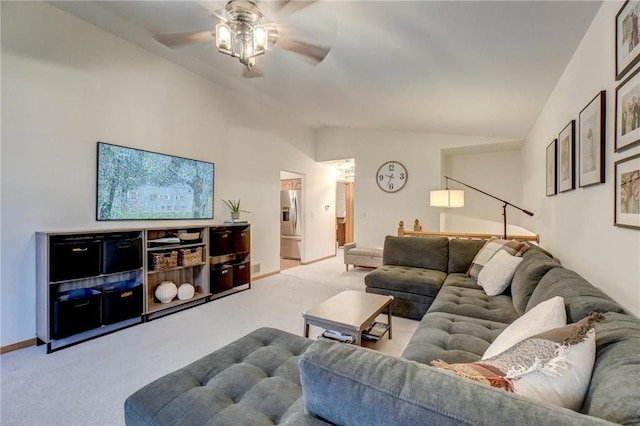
(163, 261)
(121, 254)
(121, 300)
(75, 311)
(241, 238)
(190, 257)
(221, 278)
(220, 242)
(241, 273)
(75, 259)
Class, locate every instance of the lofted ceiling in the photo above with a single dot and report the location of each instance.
(482, 68)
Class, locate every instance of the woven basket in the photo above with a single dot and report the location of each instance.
(190, 257)
(164, 261)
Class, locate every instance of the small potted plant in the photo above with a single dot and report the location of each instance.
(234, 207)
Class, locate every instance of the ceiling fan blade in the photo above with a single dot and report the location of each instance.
(313, 52)
(287, 7)
(183, 39)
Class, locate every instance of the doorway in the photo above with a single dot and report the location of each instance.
(344, 213)
(291, 219)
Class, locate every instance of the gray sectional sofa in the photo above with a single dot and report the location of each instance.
(274, 377)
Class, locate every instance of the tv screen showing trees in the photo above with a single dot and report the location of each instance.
(134, 185)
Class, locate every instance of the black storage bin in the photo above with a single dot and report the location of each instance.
(75, 311)
(241, 273)
(221, 278)
(122, 253)
(75, 259)
(220, 242)
(121, 300)
(241, 239)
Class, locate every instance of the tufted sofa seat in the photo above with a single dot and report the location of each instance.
(254, 380)
(415, 279)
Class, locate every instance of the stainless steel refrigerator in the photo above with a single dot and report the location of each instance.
(290, 224)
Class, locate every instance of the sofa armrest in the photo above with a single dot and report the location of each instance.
(348, 385)
(347, 247)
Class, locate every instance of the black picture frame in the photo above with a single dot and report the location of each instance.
(591, 142)
(627, 49)
(566, 158)
(627, 192)
(627, 122)
(552, 168)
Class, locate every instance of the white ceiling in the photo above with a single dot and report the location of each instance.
(481, 68)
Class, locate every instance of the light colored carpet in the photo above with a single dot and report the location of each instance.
(87, 384)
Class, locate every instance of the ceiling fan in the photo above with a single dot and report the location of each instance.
(242, 34)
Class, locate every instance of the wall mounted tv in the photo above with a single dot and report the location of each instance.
(134, 184)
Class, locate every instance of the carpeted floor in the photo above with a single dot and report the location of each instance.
(87, 384)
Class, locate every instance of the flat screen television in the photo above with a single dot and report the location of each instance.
(134, 184)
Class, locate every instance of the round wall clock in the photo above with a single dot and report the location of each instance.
(391, 176)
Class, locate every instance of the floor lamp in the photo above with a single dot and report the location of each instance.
(455, 198)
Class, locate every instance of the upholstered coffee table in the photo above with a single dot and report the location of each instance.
(349, 312)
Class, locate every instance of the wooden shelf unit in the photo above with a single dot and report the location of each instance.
(51, 283)
(229, 259)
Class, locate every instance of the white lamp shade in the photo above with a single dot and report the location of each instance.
(446, 198)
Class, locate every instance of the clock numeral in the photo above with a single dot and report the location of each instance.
(392, 167)
(380, 178)
(390, 185)
(401, 176)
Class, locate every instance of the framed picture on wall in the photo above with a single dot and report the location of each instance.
(566, 158)
(627, 37)
(627, 192)
(591, 142)
(552, 188)
(628, 113)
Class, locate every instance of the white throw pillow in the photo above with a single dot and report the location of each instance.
(496, 275)
(568, 389)
(543, 317)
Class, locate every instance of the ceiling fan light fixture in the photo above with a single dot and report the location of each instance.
(223, 38)
(260, 38)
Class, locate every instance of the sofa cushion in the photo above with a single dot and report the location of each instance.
(406, 279)
(580, 297)
(254, 380)
(490, 248)
(349, 385)
(452, 338)
(406, 305)
(545, 316)
(461, 253)
(535, 264)
(470, 300)
(417, 252)
(613, 390)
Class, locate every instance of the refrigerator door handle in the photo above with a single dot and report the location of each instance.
(295, 218)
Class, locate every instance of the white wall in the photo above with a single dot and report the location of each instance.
(67, 84)
(377, 213)
(577, 226)
(497, 173)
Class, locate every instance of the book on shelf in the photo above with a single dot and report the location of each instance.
(375, 331)
(339, 337)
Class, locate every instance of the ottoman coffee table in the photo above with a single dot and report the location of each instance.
(350, 312)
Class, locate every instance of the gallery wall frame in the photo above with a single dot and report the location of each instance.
(627, 192)
(627, 49)
(627, 113)
(591, 142)
(566, 158)
(552, 167)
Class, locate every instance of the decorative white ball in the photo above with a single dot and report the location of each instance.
(186, 291)
(166, 291)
